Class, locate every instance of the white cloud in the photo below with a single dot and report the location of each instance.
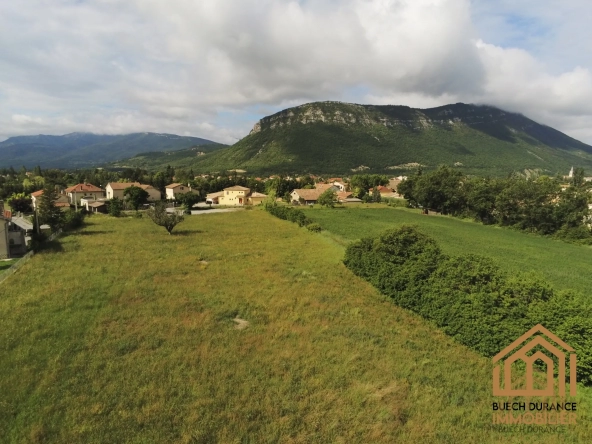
(113, 66)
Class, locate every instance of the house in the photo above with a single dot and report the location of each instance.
(4, 242)
(341, 185)
(94, 205)
(322, 187)
(116, 189)
(77, 192)
(61, 202)
(35, 197)
(384, 192)
(12, 237)
(238, 196)
(175, 189)
(305, 196)
(343, 195)
(212, 198)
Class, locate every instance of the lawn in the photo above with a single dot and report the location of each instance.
(122, 333)
(6, 264)
(564, 265)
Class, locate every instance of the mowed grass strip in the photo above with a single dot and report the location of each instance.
(563, 265)
(122, 333)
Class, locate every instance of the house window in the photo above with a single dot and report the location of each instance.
(227, 193)
(181, 188)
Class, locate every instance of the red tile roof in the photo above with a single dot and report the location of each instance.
(37, 193)
(83, 187)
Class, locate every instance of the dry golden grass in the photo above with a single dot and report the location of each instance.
(122, 333)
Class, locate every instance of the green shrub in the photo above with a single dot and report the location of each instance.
(73, 219)
(316, 228)
(288, 213)
(469, 297)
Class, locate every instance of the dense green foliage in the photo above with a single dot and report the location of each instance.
(115, 207)
(72, 219)
(80, 150)
(188, 200)
(48, 212)
(135, 196)
(20, 202)
(468, 296)
(327, 198)
(288, 213)
(338, 138)
(539, 204)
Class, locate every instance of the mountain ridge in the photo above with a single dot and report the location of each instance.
(83, 150)
(338, 137)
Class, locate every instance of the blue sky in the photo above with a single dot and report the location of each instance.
(212, 68)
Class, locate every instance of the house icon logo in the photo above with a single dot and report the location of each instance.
(522, 350)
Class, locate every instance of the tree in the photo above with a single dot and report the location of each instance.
(159, 216)
(48, 212)
(327, 199)
(188, 200)
(376, 197)
(136, 196)
(19, 202)
(115, 207)
(440, 190)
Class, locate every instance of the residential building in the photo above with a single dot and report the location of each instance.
(4, 242)
(12, 237)
(305, 196)
(322, 187)
(239, 196)
(385, 192)
(77, 192)
(116, 189)
(339, 184)
(175, 189)
(61, 202)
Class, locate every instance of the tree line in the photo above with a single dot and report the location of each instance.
(543, 205)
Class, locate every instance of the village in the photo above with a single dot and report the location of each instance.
(16, 228)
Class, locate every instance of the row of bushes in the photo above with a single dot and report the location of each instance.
(469, 297)
(293, 215)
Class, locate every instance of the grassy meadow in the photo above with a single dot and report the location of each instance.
(122, 333)
(563, 265)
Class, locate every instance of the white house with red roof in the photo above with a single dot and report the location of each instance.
(82, 190)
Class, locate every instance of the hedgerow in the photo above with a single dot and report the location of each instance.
(289, 213)
(469, 297)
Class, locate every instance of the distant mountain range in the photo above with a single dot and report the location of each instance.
(330, 138)
(83, 150)
(343, 138)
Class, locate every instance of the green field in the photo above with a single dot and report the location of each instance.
(122, 333)
(562, 264)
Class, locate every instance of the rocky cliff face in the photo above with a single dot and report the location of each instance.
(388, 116)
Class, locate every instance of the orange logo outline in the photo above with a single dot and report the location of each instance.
(530, 360)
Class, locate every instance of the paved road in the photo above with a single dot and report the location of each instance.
(222, 210)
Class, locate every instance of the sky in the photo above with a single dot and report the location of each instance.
(213, 68)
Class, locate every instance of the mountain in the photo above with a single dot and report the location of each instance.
(83, 150)
(339, 138)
